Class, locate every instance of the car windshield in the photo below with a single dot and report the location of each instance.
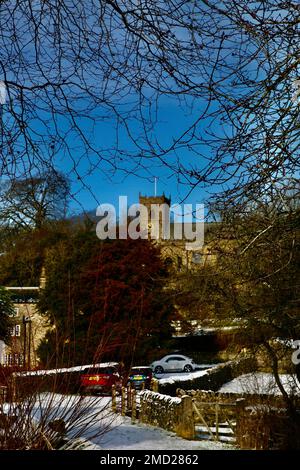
(141, 371)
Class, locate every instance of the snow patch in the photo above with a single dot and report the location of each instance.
(261, 383)
(147, 395)
(172, 378)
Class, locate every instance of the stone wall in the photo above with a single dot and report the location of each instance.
(170, 413)
(206, 396)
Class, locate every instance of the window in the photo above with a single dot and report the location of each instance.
(175, 358)
(13, 359)
(15, 330)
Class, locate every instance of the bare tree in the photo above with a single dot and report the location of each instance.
(71, 68)
(253, 285)
(30, 202)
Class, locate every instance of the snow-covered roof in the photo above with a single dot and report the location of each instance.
(65, 369)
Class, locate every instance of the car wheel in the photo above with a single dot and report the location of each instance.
(159, 370)
(188, 368)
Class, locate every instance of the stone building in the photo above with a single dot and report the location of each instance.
(28, 327)
(176, 252)
(180, 257)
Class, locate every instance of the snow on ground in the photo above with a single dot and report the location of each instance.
(124, 435)
(179, 377)
(261, 382)
(121, 434)
(91, 419)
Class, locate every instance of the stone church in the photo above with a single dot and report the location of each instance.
(176, 253)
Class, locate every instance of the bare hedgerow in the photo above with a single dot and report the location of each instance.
(48, 420)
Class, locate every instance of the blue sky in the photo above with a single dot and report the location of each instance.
(102, 188)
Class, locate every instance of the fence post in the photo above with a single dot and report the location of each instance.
(129, 397)
(123, 402)
(186, 421)
(240, 430)
(217, 421)
(154, 385)
(113, 399)
(133, 406)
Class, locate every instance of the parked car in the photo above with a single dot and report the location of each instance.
(140, 377)
(100, 379)
(173, 363)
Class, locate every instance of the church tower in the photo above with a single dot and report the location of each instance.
(157, 221)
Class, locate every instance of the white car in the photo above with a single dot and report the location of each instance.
(173, 363)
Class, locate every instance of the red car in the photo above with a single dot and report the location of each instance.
(100, 379)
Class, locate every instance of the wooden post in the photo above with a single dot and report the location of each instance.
(186, 421)
(217, 421)
(151, 384)
(141, 408)
(133, 406)
(113, 399)
(241, 429)
(123, 401)
(29, 345)
(154, 385)
(129, 397)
